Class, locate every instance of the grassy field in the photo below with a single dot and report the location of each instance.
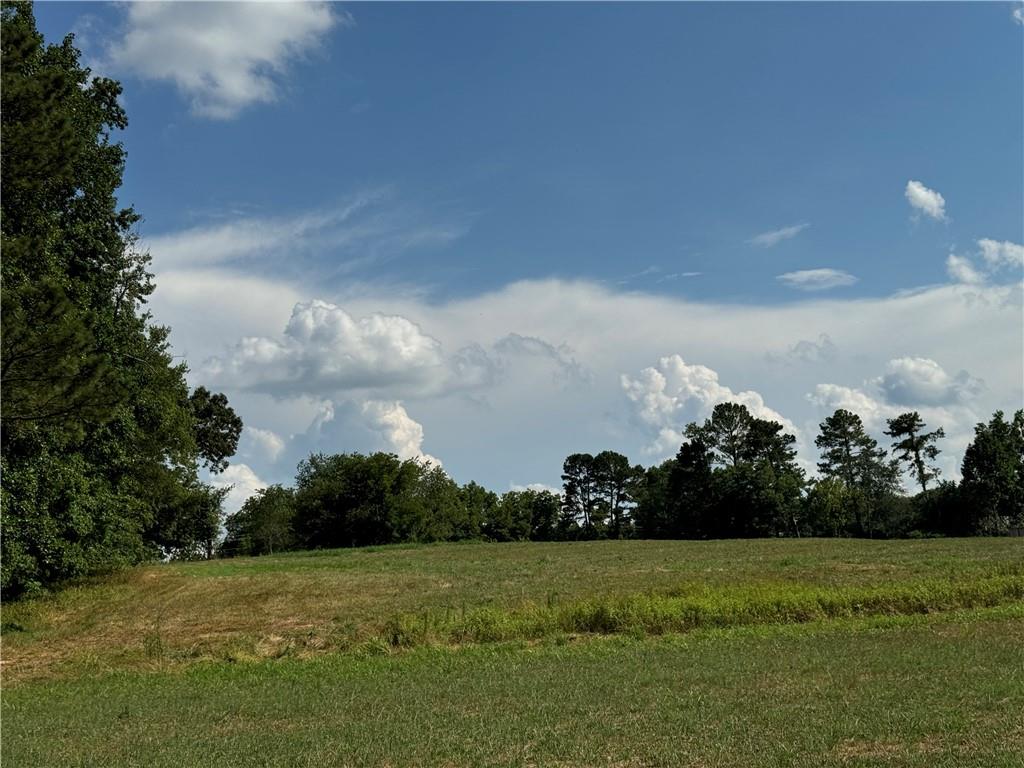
(732, 653)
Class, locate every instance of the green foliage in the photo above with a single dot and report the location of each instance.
(217, 428)
(850, 455)
(351, 500)
(616, 484)
(736, 475)
(695, 607)
(651, 517)
(100, 442)
(993, 475)
(482, 509)
(580, 507)
(916, 447)
(599, 495)
(262, 525)
(524, 516)
(52, 372)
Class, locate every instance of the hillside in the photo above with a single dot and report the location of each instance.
(617, 653)
(302, 604)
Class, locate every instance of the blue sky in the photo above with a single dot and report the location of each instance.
(515, 214)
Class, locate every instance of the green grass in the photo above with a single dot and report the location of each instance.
(938, 692)
(731, 653)
(305, 603)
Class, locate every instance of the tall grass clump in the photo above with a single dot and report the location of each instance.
(699, 607)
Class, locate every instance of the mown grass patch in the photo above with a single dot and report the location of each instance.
(923, 691)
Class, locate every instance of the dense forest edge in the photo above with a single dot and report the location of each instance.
(104, 442)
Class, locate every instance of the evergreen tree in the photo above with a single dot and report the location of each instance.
(993, 475)
(690, 492)
(852, 456)
(916, 447)
(580, 497)
(100, 444)
(615, 486)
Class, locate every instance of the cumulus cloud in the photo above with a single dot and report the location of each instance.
(223, 57)
(872, 411)
(912, 383)
(920, 381)
(817, 279)
(242, 481)
(927, 201)
(325, 350)
(403, 434)
(532, 422)
(961, 270)
(769, 239)
(243, 275)
(1018, 15)
(666, 396)
(1001, 254)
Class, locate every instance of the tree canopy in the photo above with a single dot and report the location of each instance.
(102, 439)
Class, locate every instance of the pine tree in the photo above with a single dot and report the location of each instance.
(916, 447)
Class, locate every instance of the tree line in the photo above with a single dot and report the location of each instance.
(735, 476)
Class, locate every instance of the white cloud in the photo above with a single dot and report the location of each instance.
(325, 350)
(243, 483)
(243, 276)
(247, 238)
(873, 412)
(566, 368)
(768, 239)
(928, 201)
(531, 420)
(263, 443)
(956, 420)
(357, 231)
(1001, 254)
(961, 270)
(913, 381)
(821, 351)
(403, 434)
(667, 397)
(223, 57)
(913, 384)
(1018, 15)
(817, 279)
(538, 487)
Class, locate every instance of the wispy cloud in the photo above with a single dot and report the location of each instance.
(816, 279)
(363, 228)
(961, 270)
(927, 201)
(776, 236)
